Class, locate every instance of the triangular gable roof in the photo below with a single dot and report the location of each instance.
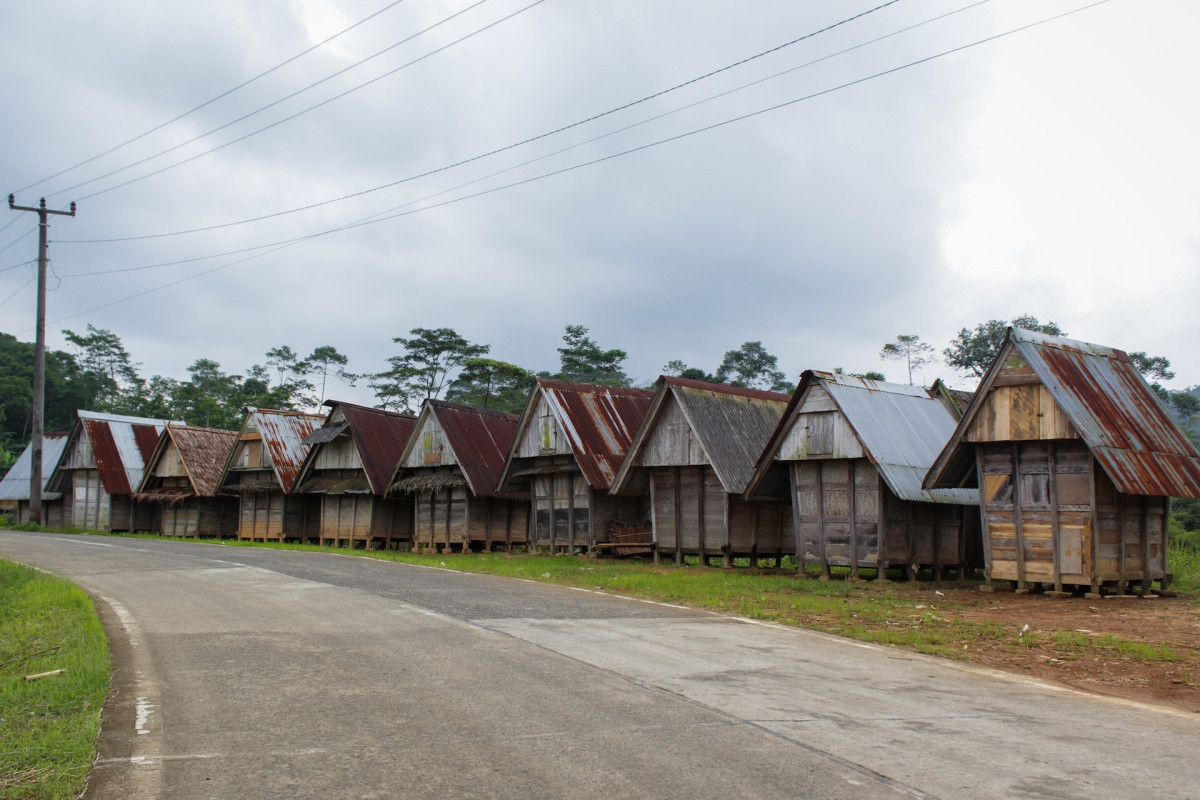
(900, 428)
(203, 451)
(480, 439)
(598, 421)
(15, 485)
(955, 400)
(283, 434)
(1110, 405)
(120, 447)
(380, 437)
(731, 423)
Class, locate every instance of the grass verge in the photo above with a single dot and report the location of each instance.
(48, 727)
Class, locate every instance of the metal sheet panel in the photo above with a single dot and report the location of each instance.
(1116, 413)
(480, 439)
(599, 422)
(380, 437)
(283, 435)
(116, 448)
(902, 429)
(15, 485)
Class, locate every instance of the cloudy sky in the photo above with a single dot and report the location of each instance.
(904, 172)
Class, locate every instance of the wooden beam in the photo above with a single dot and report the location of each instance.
(1055, 540)
(1016, 487)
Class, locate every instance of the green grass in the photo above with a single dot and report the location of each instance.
(48, 727)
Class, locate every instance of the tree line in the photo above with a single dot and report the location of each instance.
(97, 373)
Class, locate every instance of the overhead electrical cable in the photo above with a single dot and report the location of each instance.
(17, 292)
(10, 223)
(19, 238)
(531, 139)
(288, 118)
(387, 215)
(221, 96)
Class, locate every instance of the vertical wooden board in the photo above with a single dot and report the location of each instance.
(459, 531)
(809, 534)
(276, 521)
(1071, 548)
(689, 509)
(664, 497)
(866, 492)
(837, 543)
(715, 503)
(583, 502)
(1024, 422)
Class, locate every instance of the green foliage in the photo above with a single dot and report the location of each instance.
(582, 360)
(109, 375)
(422, 370)
(870, 375)
(324, 359)
(911, 350)
(751, 366)
(678, 369)
(973, 351)
(487, 383)
(48, 727)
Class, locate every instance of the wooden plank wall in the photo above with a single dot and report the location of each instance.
(90, 504)
(562, 510)
(491, 521)
(350, 520)
(199, 516)
(274, 516)
(1051, 515)
(845, 516)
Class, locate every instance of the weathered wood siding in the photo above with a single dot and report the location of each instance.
(568, 513)
(453, 517)
(671, 442)
(274, 516)
(170, 464)
(694, 515)
(341, 453)
(52, 512)
(433, 449)
(199, 516)
(1051, 515)
(544, 435)
(90, 505)
(846, 516)
(349, 519)
(1019, 408)
(819, 430)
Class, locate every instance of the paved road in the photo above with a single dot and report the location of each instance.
(246, 673)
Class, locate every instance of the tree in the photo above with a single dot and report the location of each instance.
(973, 351)
(292, 388)
(751, 366)
(109, 374)
(871, 376)
(421, 372)
(326, 358)
(1153, 368)
(487, 383)
(682, 370)
(910, 349)
(159, 399)
(204, 400)
(583, 361)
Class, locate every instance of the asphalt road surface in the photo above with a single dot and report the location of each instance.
(253, 673)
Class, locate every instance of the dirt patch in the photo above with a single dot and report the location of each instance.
(1144, 649)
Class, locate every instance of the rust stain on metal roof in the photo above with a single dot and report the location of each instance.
(480, 439)
(599, 423)
(283, 434)
(379, 436)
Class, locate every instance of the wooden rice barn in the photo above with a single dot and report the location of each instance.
(1073, 459)
(350, 462)
(262, 469)
(450, 468)
(570, 441)
(856, 451)
(182, 477)
(695, 453)
(15, 486)
(101, 466)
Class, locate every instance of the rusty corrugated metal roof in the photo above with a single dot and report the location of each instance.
(900, 428)
(283, 434)
(1110, 405)
(599, 423)
(731, 423)
(480, 439)
(15, 485)
(116, 448)
(379, 436)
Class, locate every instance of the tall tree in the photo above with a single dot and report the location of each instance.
(422, 370)
(679, 369)
(107, 369)
(292, 387)
(581, 360)
(1153, 368)
(324, 360)
(205, 399)
(908, 348)
(973, 351)
(487, 383)
(753, 367)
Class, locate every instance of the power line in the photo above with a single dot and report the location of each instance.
(291, 117)
(13, 296)
(387, 215)
(523, 142)
(19, 238)
(222, 95)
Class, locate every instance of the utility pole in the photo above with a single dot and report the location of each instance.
(39, 356)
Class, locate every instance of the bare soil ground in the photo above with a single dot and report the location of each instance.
(1166, 671)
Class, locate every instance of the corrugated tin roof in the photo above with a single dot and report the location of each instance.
(732, 424)
(117, 443)
(1110, 405)
(203, 451)
(901, 428)
(283, 434)
(480, 439)
(598, 421)
(15, 485)
(379, 436)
